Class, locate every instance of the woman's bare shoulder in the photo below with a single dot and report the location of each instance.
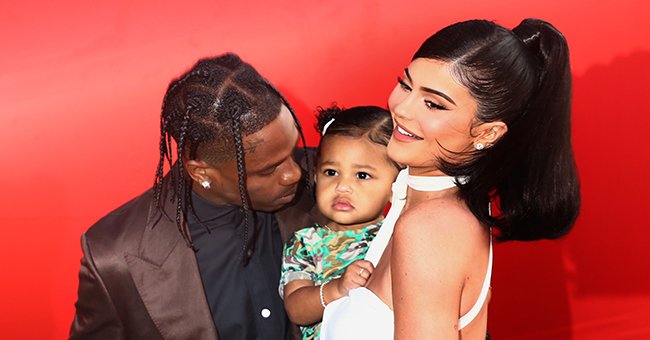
(440, 214)
(438, 226)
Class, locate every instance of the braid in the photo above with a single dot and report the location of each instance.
(183, 187)
(243, 193)
(165, 148)
(158, 181)
(169, 150)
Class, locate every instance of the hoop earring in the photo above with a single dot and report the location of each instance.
(479, 146)
(205, 185)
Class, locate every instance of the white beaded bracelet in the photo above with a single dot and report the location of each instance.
(322, 298)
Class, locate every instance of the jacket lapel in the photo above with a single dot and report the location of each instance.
(167, 277)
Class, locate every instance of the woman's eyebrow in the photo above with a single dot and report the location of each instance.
(429, 90)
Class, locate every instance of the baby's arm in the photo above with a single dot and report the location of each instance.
(302, 302)
(302, 299)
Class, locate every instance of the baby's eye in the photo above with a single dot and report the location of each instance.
(330, 172)
(363, 175)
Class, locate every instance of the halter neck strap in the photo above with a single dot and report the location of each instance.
(384, 234)
(431, 183)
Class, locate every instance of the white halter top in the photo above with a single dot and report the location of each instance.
(361, 314)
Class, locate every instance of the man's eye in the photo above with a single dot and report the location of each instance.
(363, 175)
(268, 172)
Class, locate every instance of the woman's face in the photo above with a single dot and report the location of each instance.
(431, 113)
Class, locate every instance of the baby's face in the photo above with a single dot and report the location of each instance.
(353, 181)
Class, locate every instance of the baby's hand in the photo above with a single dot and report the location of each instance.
(355, 275)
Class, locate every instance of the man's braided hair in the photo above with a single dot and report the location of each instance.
(207, 111)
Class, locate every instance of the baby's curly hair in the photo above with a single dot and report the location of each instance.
(371, 121)
(357, 121)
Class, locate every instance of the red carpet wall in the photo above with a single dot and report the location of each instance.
(80, 91)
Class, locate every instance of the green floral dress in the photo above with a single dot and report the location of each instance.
(320, 254)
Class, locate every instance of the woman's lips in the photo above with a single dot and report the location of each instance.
(404, 135)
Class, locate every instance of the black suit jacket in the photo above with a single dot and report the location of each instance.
(139, 280)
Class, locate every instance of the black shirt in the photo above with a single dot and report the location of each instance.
(244, 301)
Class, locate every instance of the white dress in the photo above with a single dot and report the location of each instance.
(361, 314)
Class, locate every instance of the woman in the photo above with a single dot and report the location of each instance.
(482, 119)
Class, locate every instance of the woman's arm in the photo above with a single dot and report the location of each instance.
(428, 261)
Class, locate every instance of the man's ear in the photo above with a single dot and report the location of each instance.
(490, 133)
(198, 170)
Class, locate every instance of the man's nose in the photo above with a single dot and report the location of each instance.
(292, 173)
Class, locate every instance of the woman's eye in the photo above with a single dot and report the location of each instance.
(363, 175)
(403, 84)
(433, 106)
(330, 172)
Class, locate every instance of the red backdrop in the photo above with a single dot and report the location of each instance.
(81, 86)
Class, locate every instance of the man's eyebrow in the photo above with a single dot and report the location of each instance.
(428, 90)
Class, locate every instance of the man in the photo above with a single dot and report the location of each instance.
(198, 256)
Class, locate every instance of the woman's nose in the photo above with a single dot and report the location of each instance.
(401, 109)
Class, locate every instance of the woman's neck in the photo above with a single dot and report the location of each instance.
(424, 171)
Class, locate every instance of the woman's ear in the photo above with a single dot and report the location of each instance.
(489, 133)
